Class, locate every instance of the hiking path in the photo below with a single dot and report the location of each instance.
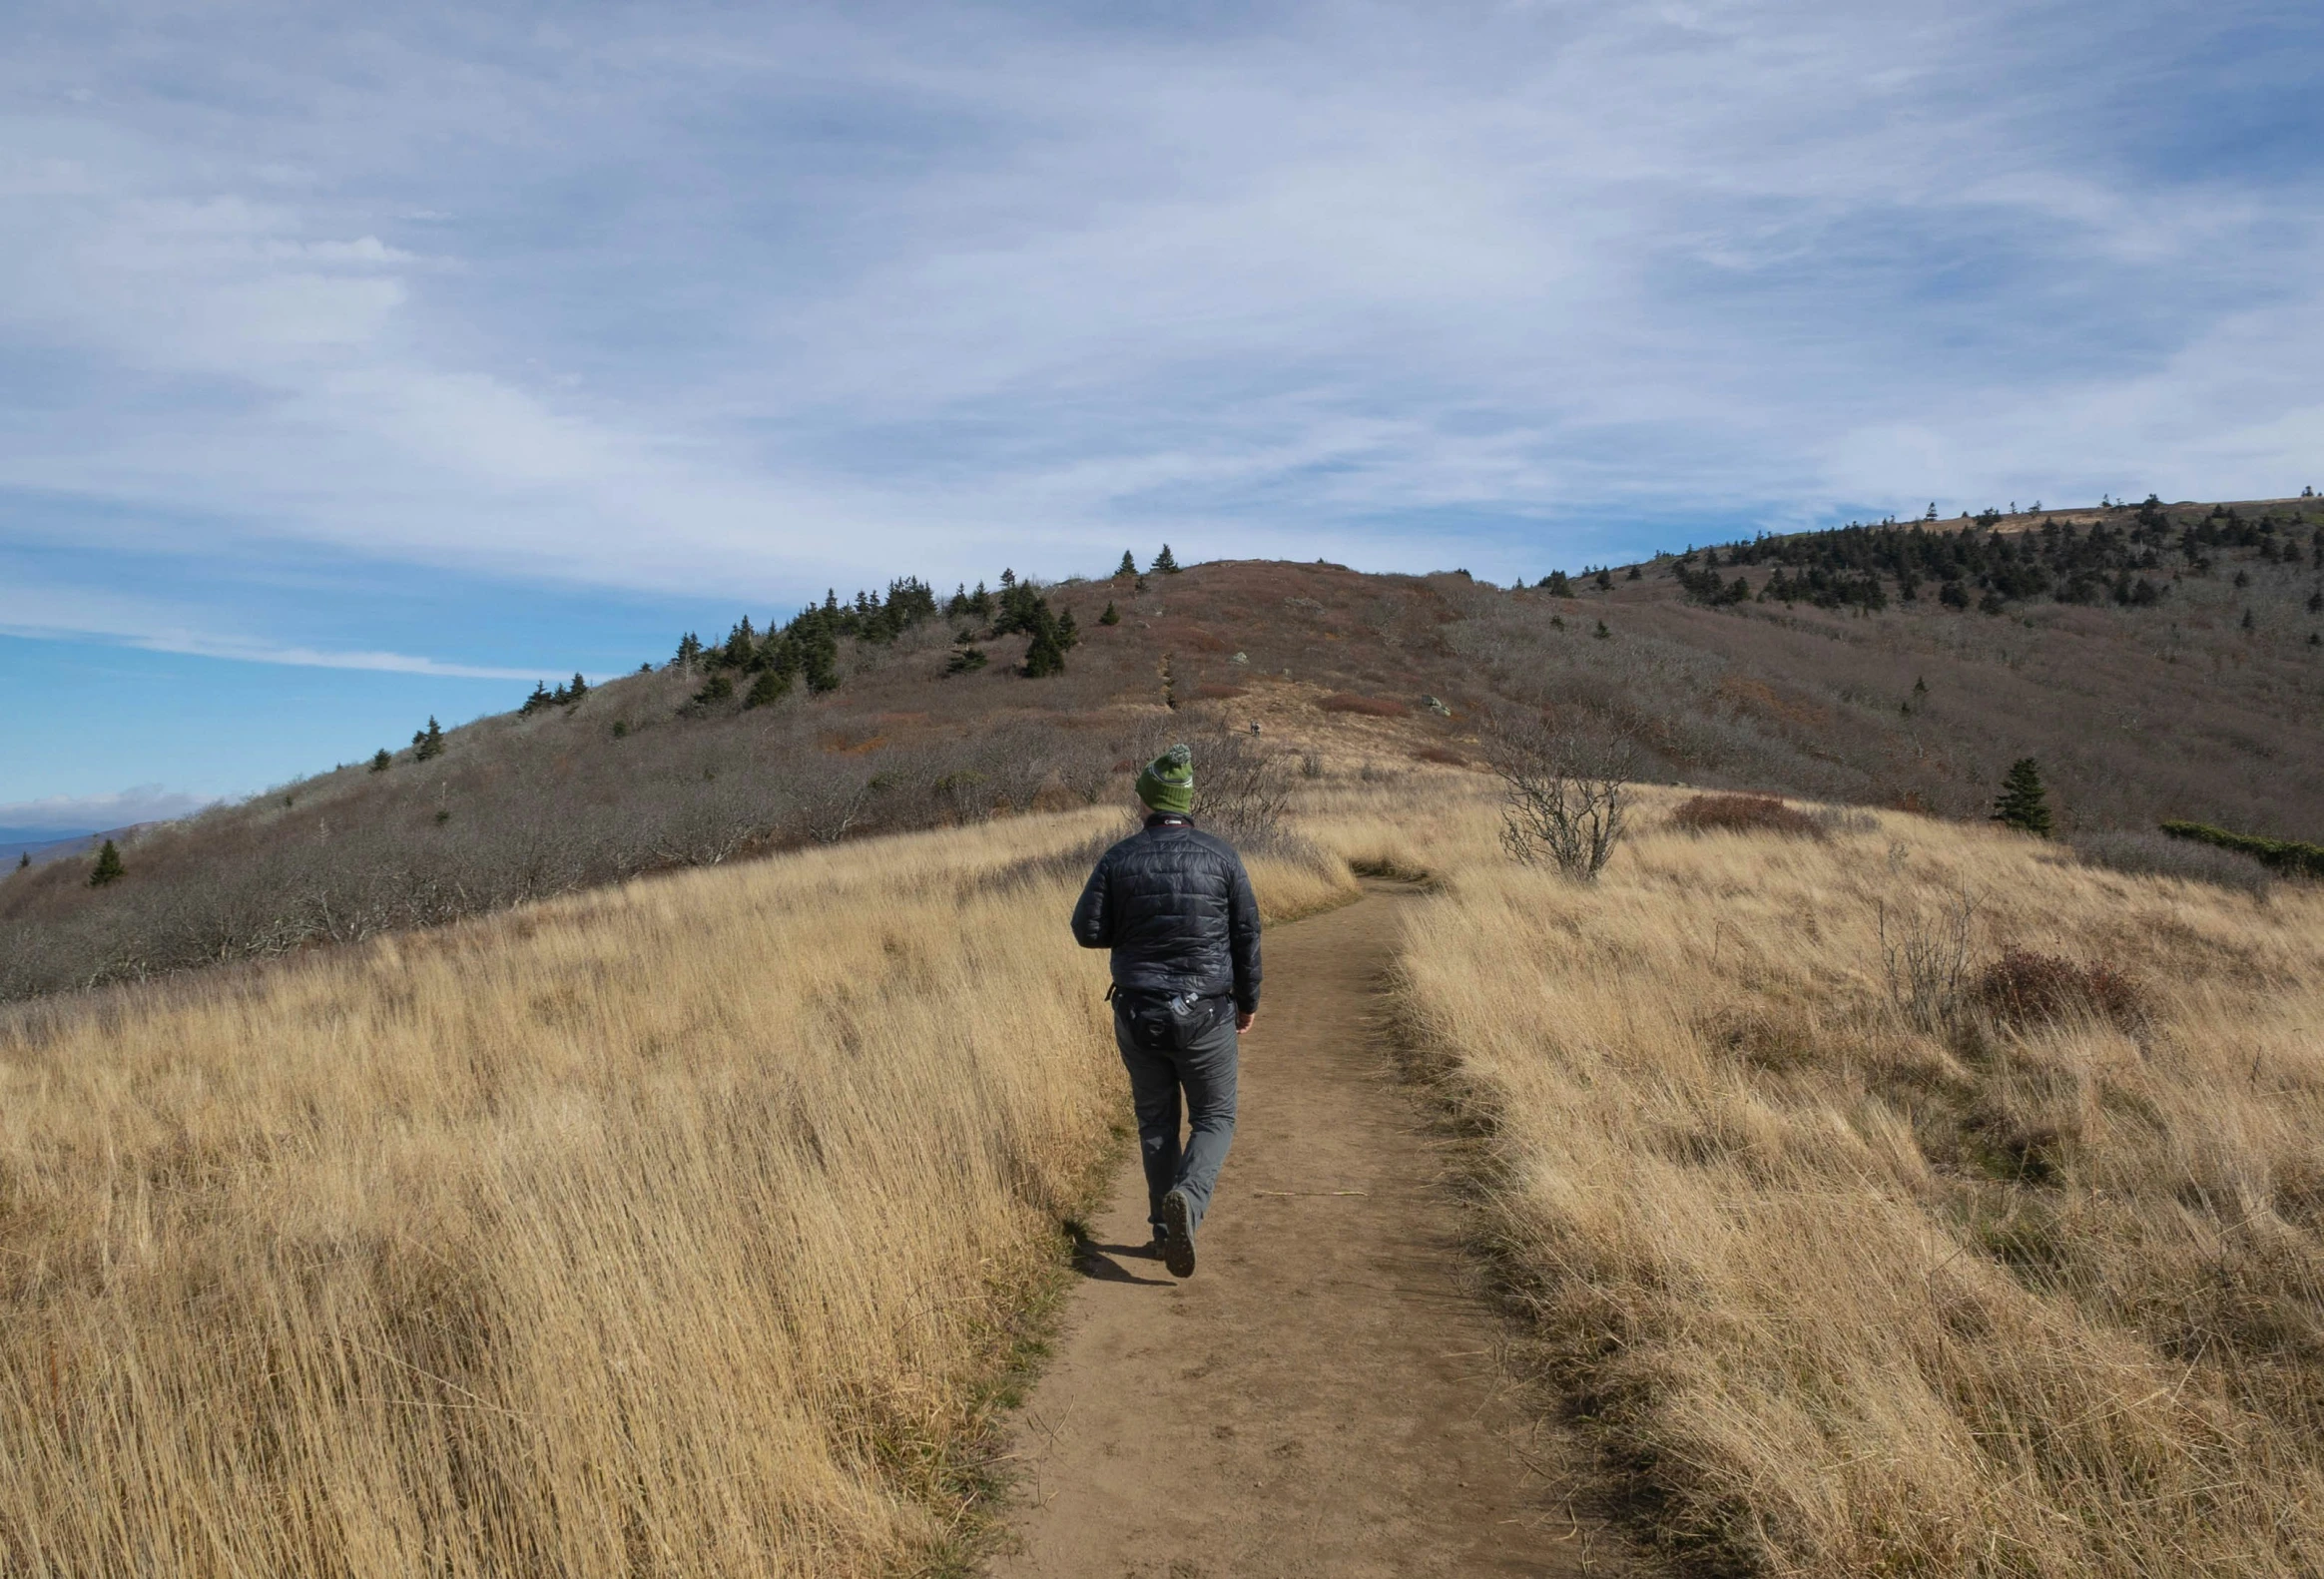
(1328, 1394)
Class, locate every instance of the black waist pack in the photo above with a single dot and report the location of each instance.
(1168, 1022)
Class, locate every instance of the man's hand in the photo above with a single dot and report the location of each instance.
(1243, 1019)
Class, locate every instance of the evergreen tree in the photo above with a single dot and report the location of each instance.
(580, 687)
(2023, 803)
(1166, 563)
(428, 743)
(108, 867)
(381, 759)
(1111, 616)
(1046, 654)
(539, 699)
(1129, 566)
(1605, 580)
(689, 650)
(716, 688)
(1558, 585)
(966, 661)
(23, 859)
(769, 686)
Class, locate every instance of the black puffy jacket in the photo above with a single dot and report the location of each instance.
(1175, 906)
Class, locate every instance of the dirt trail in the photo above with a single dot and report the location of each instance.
(1325, 1396)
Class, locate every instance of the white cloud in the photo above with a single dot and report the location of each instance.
(66, 814)
(696, 301)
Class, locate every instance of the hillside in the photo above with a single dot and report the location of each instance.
(2200, 700)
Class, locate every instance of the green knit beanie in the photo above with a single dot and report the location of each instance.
(1167, 784)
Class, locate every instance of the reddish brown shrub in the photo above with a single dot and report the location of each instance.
(1440, 753)
(2026, 988)
(1370, 706)
(1743, 814)
(1217, 692)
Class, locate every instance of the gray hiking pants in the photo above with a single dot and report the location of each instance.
(1205, 1072)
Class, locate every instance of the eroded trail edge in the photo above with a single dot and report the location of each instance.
(1328, 1394)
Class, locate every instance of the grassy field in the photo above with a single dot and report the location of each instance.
(1852, 1281)
(685, 1227)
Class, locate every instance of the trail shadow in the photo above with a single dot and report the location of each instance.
(1096, 1262)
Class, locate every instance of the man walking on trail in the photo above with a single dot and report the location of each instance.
(1175, 906)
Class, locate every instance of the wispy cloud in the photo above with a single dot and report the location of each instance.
(65, 815)
(32, 610)
(699, 300)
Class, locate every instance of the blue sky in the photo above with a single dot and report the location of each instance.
(352, 371)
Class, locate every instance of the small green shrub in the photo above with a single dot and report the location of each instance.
(2280, 854)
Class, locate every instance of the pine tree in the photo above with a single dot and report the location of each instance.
(1045, 656)
(539, 699)
(2023, 803)
(380, 760)
(1111, 616)
(1605, 580)
(108, 867)
(428, 743)
(1166, 563)
(1129, 566)
(769, 686)
(689, 649)
(580, 687)
(23, 859)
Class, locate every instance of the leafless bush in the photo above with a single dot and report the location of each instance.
(1924, 955)
(2148, 854)
(1564, 794)
(1242, 791)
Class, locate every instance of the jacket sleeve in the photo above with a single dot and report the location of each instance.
(1243, 938)
(1093, 922)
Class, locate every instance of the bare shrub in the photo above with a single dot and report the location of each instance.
(1242, 790)
(1564, 794)
(2025, 988)
(2147, 854)
(1924, 953)
(1744, 813)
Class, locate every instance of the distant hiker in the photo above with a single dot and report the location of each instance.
(1175, 906)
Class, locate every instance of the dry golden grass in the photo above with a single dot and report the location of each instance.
(679, 1227)
(1855, 1298)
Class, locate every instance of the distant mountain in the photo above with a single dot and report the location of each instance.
(47, 844)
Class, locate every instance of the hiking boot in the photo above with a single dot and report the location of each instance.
(1178, 1234)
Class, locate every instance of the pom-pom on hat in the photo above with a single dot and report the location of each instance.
(1167, 784)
